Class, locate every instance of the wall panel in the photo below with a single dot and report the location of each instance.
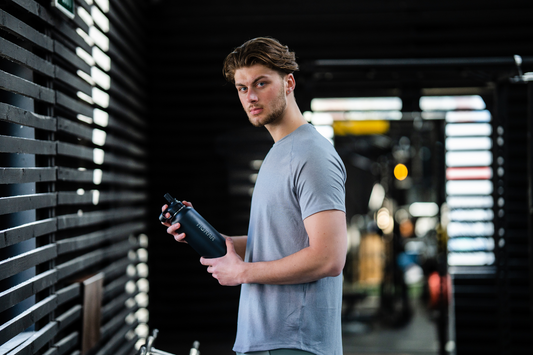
(72, 175)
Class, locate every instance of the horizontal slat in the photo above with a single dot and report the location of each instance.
(26, 289)
(124, 145)
(17, 115)
(120, 56)
(73, 150)
(69, 174)
(27, 202)
(77, 129)
(118, 338)
(83, 131)
(26, 146)
(127, 348)
(85, 4)
(72, 104)
(52, 351)
(71, 57)
(27, 231)
(133, 13)
(73, 80)
(118, 250)
(73, 198)
(116, 322)
(117, 160)
(16, 264)
(89, 259)
(67, 31)
(25, 175)
(98, 237)
(24, 57)
(121, 197)
(14, 25)
(114, 306)
(119, 59)
(117, 286)
(68, 293)
(17, 85)
(27, 318)
(126, 95)
(73, 266)
(93, 218)
(69, 317)
(35, 9)
(124, 127)
(116, 269)
(67, 343)
(131, 84)
(123, 111)
(136, 37)
(87, 153)
(37, 340)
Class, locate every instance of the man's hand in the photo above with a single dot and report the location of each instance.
(172, 228)
(229, 269)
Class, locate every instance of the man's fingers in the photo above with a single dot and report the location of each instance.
(180, 237)
(167, 215)
(172, 228)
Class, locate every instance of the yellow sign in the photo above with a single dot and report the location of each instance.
(360, 128)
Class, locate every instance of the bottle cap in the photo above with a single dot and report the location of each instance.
(174, 206)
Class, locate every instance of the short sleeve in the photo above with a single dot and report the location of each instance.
(319, 181)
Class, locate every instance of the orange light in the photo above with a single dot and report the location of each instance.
(400, 172)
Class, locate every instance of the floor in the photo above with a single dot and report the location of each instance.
(363, 334)
(368, 337)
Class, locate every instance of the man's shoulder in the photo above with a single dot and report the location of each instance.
(309, 143)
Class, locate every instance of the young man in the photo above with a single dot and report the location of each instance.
(290, 263)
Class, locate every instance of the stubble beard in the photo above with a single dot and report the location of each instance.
(278, 108)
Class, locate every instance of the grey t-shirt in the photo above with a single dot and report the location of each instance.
(301, 175)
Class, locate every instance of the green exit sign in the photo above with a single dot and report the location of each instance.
(65, 6)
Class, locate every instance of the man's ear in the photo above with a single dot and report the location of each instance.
(290, 82)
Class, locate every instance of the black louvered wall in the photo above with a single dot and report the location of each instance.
(492, 305)
(513, 236)
(72, 174)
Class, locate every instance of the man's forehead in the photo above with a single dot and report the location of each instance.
(252, 73)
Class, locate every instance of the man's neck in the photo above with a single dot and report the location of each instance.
(289, 122)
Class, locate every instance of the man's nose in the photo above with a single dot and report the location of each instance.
(252, 96)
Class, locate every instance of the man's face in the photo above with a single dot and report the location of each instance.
(262, 94)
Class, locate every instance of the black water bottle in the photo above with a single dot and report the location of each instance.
(199, 234)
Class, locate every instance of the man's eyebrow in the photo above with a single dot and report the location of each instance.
(261, 77)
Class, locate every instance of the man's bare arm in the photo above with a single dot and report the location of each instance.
(324, 257)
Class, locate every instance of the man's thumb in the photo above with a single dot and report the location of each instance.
(229, 244)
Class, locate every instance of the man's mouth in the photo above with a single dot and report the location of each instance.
(256, 110)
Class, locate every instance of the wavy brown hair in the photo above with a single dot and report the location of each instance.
(261, 50)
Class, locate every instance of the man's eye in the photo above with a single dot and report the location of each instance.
(242, 89)
(261, 84)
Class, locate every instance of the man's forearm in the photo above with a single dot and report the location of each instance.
(307, 265)
(325, 256)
